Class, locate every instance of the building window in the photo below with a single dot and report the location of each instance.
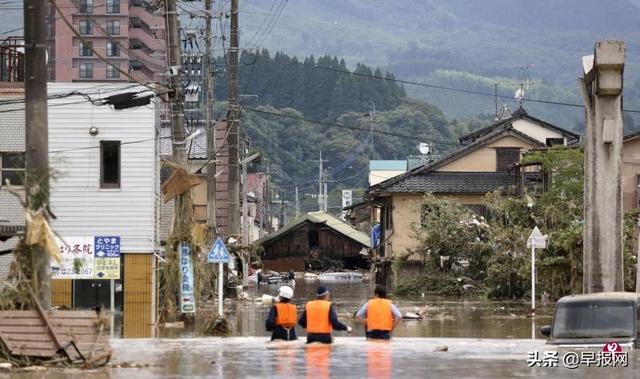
(113, 50)
(113, 27)
(506, 156)
(86, 70)
(109, 164)
(85, 49)
(112, 70)
(86, 6)
(113, 6)
(86, 27)
(12, 168)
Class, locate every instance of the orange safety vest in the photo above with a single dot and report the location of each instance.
(286, 315)
(318, 317)
(379, 316)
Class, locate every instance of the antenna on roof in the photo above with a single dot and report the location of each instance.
(425, 148)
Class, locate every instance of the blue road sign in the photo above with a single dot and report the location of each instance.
(218, 253)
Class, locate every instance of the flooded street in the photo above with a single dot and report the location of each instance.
(481, 339)
(470, 318)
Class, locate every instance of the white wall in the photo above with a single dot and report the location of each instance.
(82, 208)
(536, 131)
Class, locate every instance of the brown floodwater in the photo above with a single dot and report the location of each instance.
(468, 318)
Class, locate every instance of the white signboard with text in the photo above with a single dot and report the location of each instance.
(78, 259)
(90, 257)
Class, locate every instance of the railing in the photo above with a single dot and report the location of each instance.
(12, 60)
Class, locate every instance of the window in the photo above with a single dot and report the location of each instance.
(86, 6)
(113, 27)
(86, 70)
(113, 6)
(12, 168)
(113, 50)
(112, 70)
(86, 27)
(506, 156)
(109, 164)
(85, 49)
(555, 141)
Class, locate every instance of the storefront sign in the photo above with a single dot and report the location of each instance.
(187, 298)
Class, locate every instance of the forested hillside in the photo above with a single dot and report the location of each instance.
(320, 89)
(461, 43)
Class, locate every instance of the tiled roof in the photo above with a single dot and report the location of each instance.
(431, 167)
(197, 147)
(520, 113)
(320, 218)
(453, 182)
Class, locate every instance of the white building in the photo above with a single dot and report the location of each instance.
(106, 183)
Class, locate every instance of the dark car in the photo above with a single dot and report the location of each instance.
(593, 320)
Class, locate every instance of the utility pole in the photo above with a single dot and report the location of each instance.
(211, 127)
(320, 195)
(603, 228)
(282, 211)
(267, 200)
(37, 134)
(325, 195)
(233, 124)
(495, 95)
(177, 98)
(297, 203)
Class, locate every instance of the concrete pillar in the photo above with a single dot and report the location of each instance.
(603, 228)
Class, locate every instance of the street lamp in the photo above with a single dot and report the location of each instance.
(245, 218)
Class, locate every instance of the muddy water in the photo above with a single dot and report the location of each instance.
(348, 357)
(471, 318)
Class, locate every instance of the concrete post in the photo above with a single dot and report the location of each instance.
(603, 228)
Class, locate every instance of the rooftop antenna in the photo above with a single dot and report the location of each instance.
(425, 148)
(524, 83)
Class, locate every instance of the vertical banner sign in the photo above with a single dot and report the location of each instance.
(187, 299)
(77, 255)
(107, 257)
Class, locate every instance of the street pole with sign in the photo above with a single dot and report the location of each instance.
(535, 241)
(220, 255)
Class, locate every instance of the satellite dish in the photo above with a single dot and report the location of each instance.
(424, 148)
(519, 94)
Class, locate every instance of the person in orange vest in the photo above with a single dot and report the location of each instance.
(320, 318)
(281, 321)
(379, 315)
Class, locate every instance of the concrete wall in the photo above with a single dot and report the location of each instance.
(406, 213)
(630, 173)
(484, 159)
(378, 176)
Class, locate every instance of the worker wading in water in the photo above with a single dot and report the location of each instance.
(320, 318)
(282, 317)
(379, 315)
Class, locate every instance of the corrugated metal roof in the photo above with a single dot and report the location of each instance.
(321, 218)
(388, 165)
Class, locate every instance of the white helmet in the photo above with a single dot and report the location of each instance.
(286, 292)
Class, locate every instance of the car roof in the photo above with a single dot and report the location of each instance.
(600, 296)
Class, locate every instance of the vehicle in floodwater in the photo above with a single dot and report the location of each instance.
(593, 320)
(342, 277)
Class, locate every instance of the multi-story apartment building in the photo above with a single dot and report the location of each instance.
(128, 33)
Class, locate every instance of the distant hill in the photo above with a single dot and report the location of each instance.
(489, 39)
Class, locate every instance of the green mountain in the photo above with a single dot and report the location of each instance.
(442, 41)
